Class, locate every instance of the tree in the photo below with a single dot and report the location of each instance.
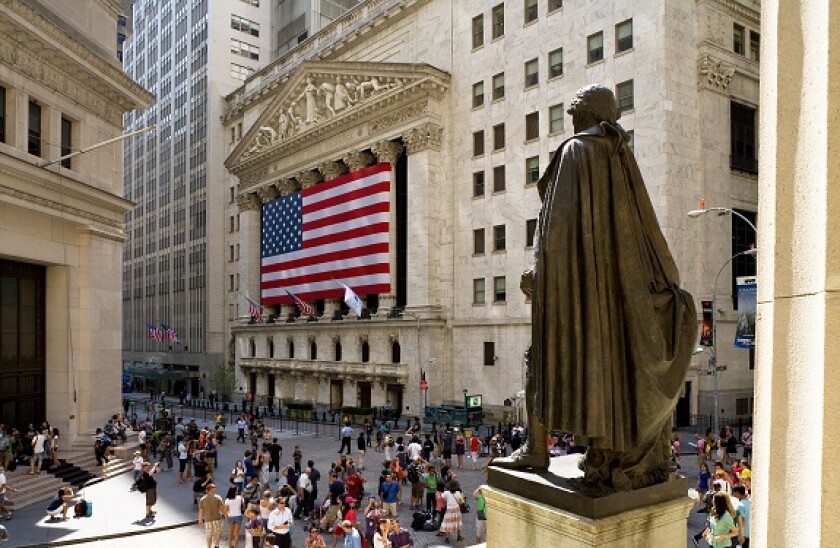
(223, 381)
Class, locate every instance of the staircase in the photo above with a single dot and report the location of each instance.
(76, 469)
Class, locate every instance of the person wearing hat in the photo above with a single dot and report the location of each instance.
(352, 538)
(137, 461)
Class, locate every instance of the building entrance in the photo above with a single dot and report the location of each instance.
(22, 343)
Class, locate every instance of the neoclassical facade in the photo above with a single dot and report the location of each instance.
(61, 221)
(467, 103)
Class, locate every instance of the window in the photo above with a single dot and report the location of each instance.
(755, 46)
(532, 170)
(252, 348)
(239, 72)
(338, 351)
(478, 184)
(555, 119)
(478, 143)
(313, 350)
(499, 86)
(365, 352)
(2, 114)
(498, 136)
(499, 179)
(489, 353)
(395, 352)
(66, 141)
(555, 63)
(478, 241)
(499, 238)
(530, 232)
(738, 39)
(624, 91)
(743, 147)
(531, 8)
(478, 291)
(499, 294)
(478, 31)
(624, 36)
(532, 126)
(595, 47)
(554, 5)
(498, 21)
(231, 283)
(291, 349)
(244, 25)
(243, 49)
(478, 94)
(532, 73)
(34, 142)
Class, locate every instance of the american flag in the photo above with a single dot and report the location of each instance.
(171, 333)
(334, 230)
(155, 333)
(304, 308)
(254, 310)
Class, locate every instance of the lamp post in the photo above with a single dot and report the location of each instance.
(694, 213)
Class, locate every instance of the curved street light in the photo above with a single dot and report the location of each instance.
(721, 211)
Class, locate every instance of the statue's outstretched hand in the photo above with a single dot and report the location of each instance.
(526, 283)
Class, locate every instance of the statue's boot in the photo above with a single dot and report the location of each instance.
(533, 454)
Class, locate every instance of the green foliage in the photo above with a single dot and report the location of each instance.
(223, 381)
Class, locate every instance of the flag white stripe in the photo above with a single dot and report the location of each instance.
(373, 279)
(349, 186)
(347, 225)
(343, 245)
(344, 207)
(366, 260)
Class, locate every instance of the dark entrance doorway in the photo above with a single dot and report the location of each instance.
(22, 343)
(683, 410)
(363, 394)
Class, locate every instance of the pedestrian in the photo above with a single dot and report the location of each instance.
(240, 427)
(430, 481)
(262, 463)
(297, 456)
(390, 493)
(137, 462)
(475, 448)
(414, 474)
(211, 513)
(304, 486)
(5, 446)
(233, 505)
(5, 503)
(703, 478)
(361, 446)
(480, 514)
(380, 537)
(346, 437)
(399, 537)
(721, 523)
(150, 484)
(37, 459)
(747, 440)
(275, 451)
(428, 448)
(183, 457)
(373, 517)
(743, 509)
(254, 529)
(54, 446)
(315, 540)
(352, 539)
(446, 443)
(452, 522)
(280, 522)
(460, 447)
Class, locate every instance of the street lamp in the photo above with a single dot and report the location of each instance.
(720, 211)
(713, 361)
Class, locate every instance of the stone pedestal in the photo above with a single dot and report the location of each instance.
(543, 509)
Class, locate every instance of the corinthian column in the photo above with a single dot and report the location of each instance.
(330, 170)
(358, 159)
(390, 151)
(308, 178)
(249, 244)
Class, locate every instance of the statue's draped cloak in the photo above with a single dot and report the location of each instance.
(612, 332)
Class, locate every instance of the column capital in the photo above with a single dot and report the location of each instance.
(358, 159)
(387, 151)
(332, 169)
(425, 136)
(248, 201)
(286, 187)
(308, 178)
(267, 193)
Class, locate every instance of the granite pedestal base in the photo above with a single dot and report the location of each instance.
(538, 510)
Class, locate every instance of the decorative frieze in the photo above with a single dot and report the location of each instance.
(426, 136)
(714, 73)
(408, 112)
(387, 151)
(358, 159)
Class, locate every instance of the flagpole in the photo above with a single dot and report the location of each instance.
(259, 304)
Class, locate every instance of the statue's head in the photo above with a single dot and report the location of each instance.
(593, 104)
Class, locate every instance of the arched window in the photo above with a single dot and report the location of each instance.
(395, 352)
(313, 351)
(291, 349)
(365, 352)
(270, 347)
(252, 348)
(338, 351)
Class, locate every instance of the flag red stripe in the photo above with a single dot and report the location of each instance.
(381, 207)
(336, 255)
(354, 176)
(381, 268)
(344, 197)
(329, 294)
(344, 235)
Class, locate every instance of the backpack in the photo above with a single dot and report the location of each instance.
(142, 484)
(413, 476)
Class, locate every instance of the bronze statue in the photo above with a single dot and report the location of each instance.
(612, 332)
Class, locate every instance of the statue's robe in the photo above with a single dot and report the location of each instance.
(612, 331)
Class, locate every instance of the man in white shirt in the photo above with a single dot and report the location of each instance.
(346, 438)
(182, 460)
(37, 453)
(415, 450)
(141, 437)
(304, 485)
(280, 522)
(240, 426)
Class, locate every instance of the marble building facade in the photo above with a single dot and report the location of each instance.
(467, 100)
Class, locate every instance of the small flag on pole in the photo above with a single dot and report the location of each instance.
(304, 308)
(254, 310)
(154, 333)
(352, 300)
(171, 333)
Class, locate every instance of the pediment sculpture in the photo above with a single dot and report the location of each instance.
(315, 100)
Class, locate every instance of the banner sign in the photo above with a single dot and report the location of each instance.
(745, 328)
(706, 328)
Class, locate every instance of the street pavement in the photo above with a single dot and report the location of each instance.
(119, 513)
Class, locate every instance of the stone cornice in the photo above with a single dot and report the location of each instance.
(737, 10)
(45, 53)
(339, 35)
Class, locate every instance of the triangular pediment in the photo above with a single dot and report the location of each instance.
(319, 96)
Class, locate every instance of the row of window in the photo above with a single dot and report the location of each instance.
(244, 25)
(479, 186)
(500, 237)
(244, 49)
(532, 78)
(313, 350)
(497, 20)
(623, 41)
(499, 290)
(35, 128)
(240, 72)
(739, 42)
